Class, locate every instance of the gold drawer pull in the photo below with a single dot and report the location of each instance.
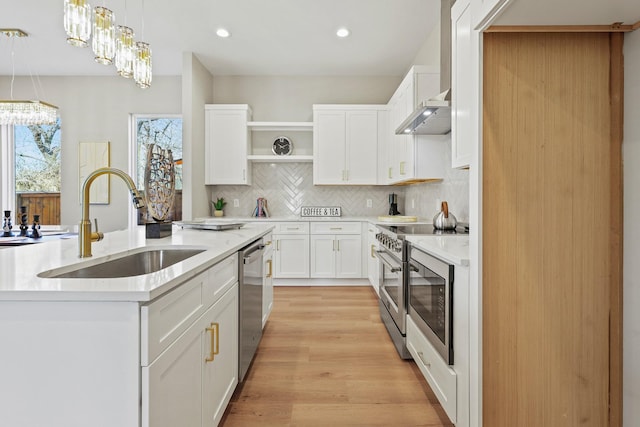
(335, 228)
(372, 251)
(270, 273)
(215, 341)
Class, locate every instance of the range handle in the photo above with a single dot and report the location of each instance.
(389, 262)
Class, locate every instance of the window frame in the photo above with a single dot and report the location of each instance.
(133, 153)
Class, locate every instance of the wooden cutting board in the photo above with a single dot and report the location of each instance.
(397, 218)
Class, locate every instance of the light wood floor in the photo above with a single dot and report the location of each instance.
(325, 359)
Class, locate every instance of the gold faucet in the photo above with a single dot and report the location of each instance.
(85, 235)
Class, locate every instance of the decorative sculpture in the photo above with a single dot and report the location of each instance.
(159, 190)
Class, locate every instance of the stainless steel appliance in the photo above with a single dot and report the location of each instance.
(250, 310)
(431, 300)
(396, 273)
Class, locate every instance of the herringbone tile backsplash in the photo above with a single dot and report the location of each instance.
(289, 186)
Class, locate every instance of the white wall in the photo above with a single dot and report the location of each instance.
(290, 98)
(94, 109)
(631, 159)
(197, 91)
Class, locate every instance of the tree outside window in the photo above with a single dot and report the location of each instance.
(37, 170)
(165, 131)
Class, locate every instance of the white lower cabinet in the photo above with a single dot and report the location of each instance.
(220, 355)
(291, 250)
(189, 350)
(438, 374)
(336, 256)
(374, 268)
(267, 280)
(291, 256)
(191, 382)
(336, 250)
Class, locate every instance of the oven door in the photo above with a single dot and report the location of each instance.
(392, 288)
(431, 301)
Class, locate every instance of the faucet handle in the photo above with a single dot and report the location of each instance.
(96, 236)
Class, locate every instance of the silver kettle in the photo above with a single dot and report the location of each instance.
(444, 220)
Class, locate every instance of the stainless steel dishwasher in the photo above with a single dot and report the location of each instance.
(250, 311)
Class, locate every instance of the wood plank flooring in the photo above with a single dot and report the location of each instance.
(325, 359)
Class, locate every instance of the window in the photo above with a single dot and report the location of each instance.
(31, 171)
(165, 131)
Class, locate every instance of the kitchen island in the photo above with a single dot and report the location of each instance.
(155, 349)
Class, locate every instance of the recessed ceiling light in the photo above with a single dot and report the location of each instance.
(221, 32)
(342, 33)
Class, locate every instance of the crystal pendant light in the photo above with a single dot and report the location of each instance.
(104, 35)
(14, 112)
(77, 22)
(125, 50)
(27, 113)
(142, 65)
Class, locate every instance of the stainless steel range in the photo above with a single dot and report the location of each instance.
(396, 271)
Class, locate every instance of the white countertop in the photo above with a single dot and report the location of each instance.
(19, 266)
(371, 219)
(453, 249)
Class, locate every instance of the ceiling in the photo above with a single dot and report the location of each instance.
(268, 37)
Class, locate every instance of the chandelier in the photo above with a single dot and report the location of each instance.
(13, 112)
(111, 44)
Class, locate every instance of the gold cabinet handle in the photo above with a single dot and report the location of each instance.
(372, 251)
(335, 228)
(390, 173)
(402, 172)
(270, 263)
(214, 330)
(338, 244)
(334, 245)
(268, 243)
(278, 245)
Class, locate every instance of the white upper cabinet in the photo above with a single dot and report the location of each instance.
(464, 86)
(227, 142)
(414, 157)
(345, 144)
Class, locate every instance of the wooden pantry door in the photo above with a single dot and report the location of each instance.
(552, 227)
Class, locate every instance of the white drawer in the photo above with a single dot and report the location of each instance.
(336, 227)
(221, 277)
(165, 319)
(301, 227)
(438, 374)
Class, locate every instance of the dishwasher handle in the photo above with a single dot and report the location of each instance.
(254, 253)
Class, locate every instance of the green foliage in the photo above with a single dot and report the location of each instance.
(219, 204)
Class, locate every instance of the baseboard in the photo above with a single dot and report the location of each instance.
(321, 282)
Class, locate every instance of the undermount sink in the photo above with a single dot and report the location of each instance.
(128, 264)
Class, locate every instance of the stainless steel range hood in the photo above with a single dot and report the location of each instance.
(433, 116)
